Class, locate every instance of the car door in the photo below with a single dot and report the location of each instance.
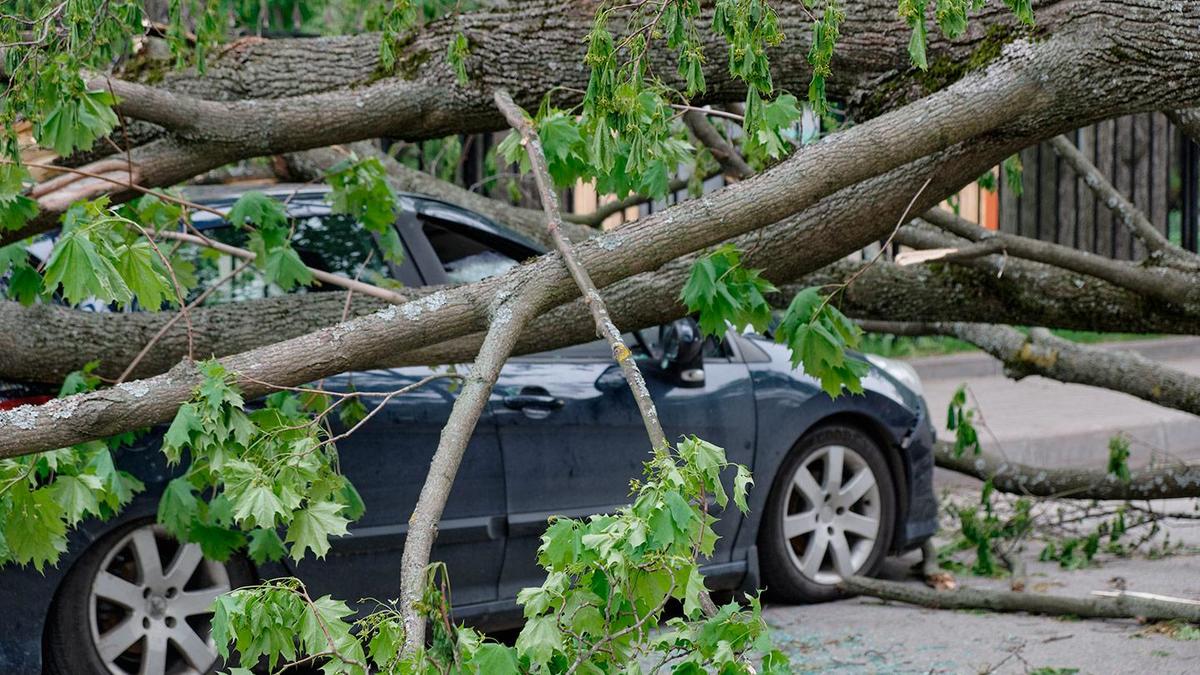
(572, 438)
(387, 458)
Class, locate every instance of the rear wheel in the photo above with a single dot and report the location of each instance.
(138, 603)
(831, 514)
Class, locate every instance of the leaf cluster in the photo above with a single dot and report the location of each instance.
(360, 189)
(42, 496)
(609, 580)
(253, 473)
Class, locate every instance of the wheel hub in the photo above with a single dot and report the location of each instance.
(156, 606)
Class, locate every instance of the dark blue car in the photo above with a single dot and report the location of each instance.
(839, 483)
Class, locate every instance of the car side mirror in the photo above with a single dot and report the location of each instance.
(682, 352)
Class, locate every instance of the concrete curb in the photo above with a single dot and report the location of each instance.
(980, 364)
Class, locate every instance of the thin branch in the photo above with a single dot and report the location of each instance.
(1126, 212)
(517, 117)
(1122, 606)
(320, 275)
(722, 150)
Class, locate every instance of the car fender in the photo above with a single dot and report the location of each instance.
(789, 406)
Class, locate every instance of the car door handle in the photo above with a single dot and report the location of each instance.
(533, 397)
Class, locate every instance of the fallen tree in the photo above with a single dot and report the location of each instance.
(928, 118)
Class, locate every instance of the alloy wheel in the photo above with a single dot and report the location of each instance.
(149, 607)
(831, 514)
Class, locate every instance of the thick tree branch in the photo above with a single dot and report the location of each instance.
(1042, 353)
(1122, 606)
(1165, 283)
(1078, 61)
(1160, 482)
(994, 290)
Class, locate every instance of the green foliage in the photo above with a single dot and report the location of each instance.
(609, 580)
(15, 208)
(361, 189)
(983, 531)
(100, 255)
(1118, 458)
(723, 292)
(456, 55)
(42, 496)
(76, 123)
(1012, 169)
(265, 469)
(270, 239)
(961, 420)
(819, 335)
(951, 18)
(825, 36)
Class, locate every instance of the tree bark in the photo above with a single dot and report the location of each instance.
(1096, 607)
(1162, 482)
(953, 115)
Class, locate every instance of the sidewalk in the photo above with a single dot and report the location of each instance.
(1048, 423)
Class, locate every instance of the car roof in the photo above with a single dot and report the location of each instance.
(309, 199)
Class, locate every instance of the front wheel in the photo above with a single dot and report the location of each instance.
(139, 602)
(831, 514)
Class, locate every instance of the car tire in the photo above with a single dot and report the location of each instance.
(812, 534)
(116, 609)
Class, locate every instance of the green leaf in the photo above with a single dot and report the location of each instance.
(77, 495)
(456, 55)
(142, 272)
(819, 335)
(179, 434)
(265, 545)
(1118, 458)
(25, 284)
(34, 527)
(312, 526)
(178, 507)
(77, 122)
(692, 591)
(741, 485)
(258, 505)
(724, 292)
(539, 640)
(256, 208)
(216, 542)
(15, 211)
(83, 272)
(495, 659)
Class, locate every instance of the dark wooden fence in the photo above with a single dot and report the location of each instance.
(1144, 156)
